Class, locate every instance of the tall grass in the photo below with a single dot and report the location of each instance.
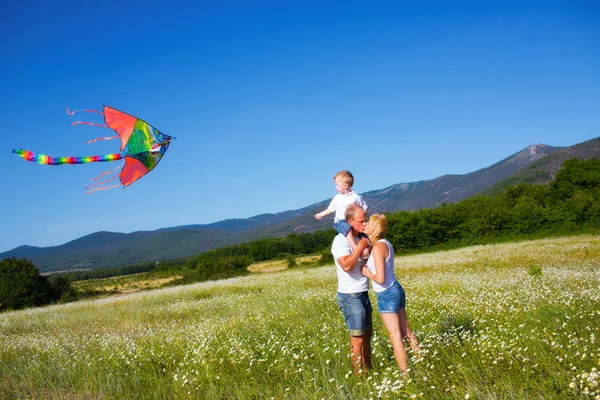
(489, 327)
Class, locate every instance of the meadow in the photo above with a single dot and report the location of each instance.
(124, 284)
(506, 321)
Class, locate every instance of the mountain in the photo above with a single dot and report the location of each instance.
(544, 169)
(109, 249)
(453, 188)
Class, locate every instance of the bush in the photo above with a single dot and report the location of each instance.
(450, 324)
(326, 258)
(534, 270)
(21, 285)
(291, 260)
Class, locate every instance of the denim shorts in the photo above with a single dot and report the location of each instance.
(357, 311)
(392, 299)
(342, 226)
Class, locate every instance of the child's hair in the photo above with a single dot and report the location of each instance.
(346, 177)
(379, 227)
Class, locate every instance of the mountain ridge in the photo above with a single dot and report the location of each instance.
(112, 249)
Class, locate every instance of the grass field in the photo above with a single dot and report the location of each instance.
(280, 265)
(119, 285)
(124, 284)
(508, 321)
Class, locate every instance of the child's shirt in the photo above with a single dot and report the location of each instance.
(341, 201)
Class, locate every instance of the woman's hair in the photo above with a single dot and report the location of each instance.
(379, 226)
(346, 177)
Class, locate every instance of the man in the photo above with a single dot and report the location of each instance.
(353, 288)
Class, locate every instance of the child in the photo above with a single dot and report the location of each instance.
(343, 184)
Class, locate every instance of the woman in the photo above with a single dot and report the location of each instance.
(391, 298)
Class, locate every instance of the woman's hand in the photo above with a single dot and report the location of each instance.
(366, 271)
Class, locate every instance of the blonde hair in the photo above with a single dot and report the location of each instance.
(346, 177)
(379, 227)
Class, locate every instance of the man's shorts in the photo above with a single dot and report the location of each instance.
(357, 311)
(392, 299)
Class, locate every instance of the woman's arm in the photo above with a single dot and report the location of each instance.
(380, 252)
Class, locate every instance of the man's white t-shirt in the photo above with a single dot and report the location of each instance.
(348, 282)
(340, 202)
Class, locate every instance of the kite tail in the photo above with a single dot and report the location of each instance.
(103, 188)
(88, 123)
(92, 111)
(108, 172)
(103, 138)
(47, 160)
(96, 186)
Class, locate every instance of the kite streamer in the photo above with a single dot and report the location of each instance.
(142, 148)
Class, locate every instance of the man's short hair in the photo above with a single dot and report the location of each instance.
(351, 211)
(346, 177)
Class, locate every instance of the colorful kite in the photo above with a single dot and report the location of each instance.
(142, 147)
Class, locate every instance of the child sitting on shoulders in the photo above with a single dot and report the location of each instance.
(346, 196)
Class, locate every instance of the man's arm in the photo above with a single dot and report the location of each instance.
(348, 262)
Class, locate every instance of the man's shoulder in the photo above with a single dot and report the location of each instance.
(339, 238)
(340, 243)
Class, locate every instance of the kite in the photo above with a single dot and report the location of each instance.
(142, 148)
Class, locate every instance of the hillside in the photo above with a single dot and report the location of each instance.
(108, 249)
(544, 169)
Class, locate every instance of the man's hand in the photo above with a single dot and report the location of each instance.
(362, 244)
(348, 262)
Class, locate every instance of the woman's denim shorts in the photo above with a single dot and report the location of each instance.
(392, 299)
(357, 311)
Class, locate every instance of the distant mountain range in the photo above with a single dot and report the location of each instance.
(535, 164)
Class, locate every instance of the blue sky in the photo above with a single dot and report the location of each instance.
(268, 99)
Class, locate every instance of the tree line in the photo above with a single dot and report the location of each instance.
(569, 204)
(234, 260)
(121, 271)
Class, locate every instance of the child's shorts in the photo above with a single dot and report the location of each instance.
(342, 226)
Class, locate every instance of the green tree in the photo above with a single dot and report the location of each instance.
(576, 175)
(21, 285)
(62, 289)
(291, 260)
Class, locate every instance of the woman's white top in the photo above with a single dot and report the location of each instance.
(390, 277)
